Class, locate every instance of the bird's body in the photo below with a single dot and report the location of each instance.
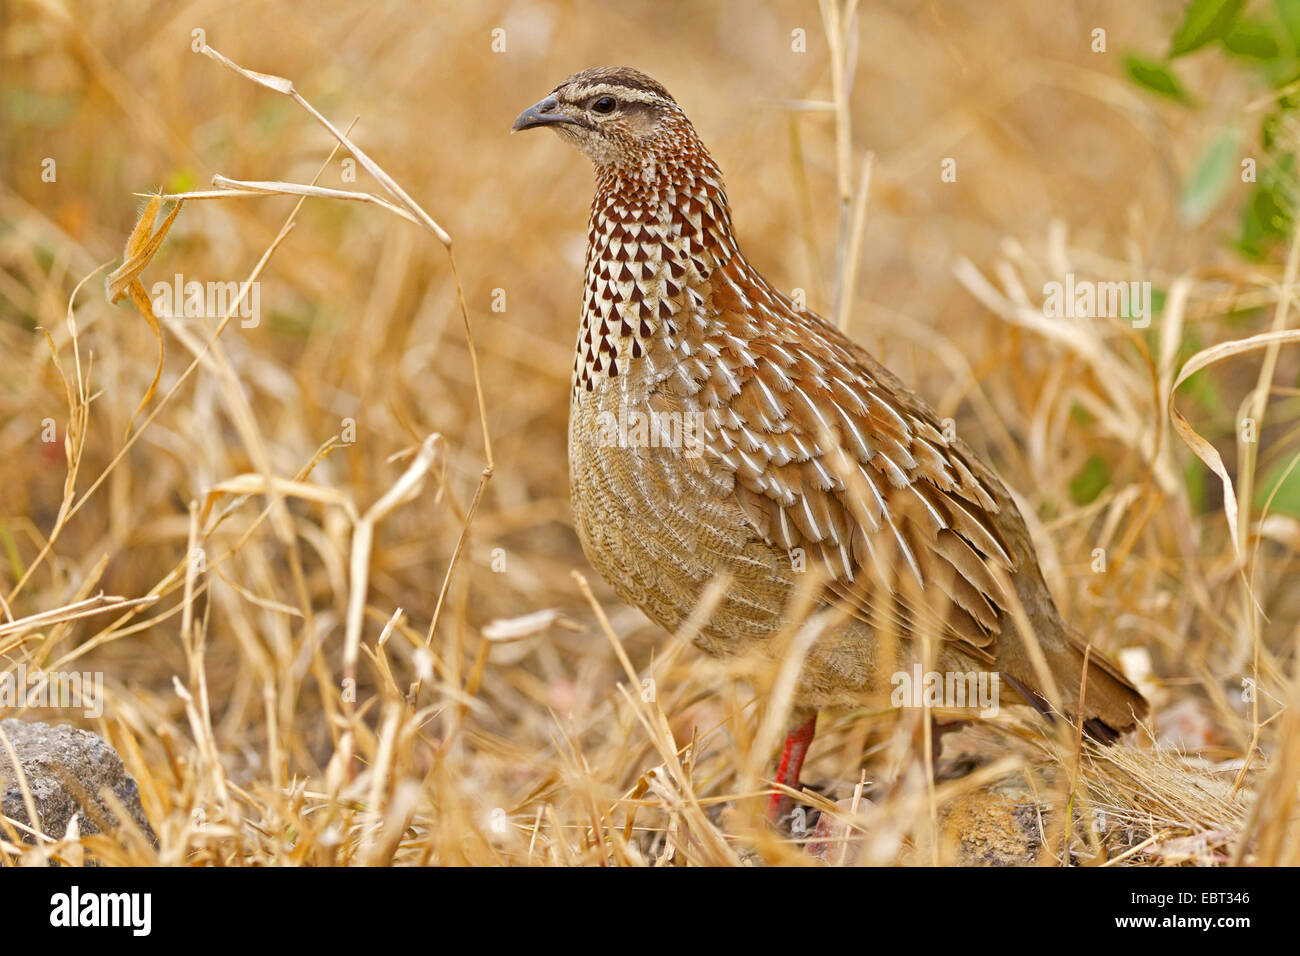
(717, 429)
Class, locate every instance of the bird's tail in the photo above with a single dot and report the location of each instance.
(1112, 706)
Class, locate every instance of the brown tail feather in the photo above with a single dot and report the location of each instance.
(1112, 705)
(1110, 699)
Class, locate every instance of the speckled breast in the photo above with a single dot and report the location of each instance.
(659, 523)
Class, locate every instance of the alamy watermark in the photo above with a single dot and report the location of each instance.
(978, 689)
(1086, 299)
(133, 911)
(634, 428)
(62, 690)
(197, 300)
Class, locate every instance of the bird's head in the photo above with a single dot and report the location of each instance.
(616, 115)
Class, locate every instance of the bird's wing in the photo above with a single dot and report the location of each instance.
(832, 455)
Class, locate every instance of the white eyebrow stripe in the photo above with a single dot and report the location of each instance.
(626, 93)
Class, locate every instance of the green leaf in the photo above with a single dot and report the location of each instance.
(1080, 415)
(1091, 480)
(181, 180)
(1269, 127)
(1254, 39)
(1200, 388)
(1272, 209)
(1251, 241)
(1288, 11)
(1287, 500)
(1269, 215)
(1210, 179)
(1204, 21)
(1156, 77)
(291, 324)
(1286, 83)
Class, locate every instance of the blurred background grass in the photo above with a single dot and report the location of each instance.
(1060, 158)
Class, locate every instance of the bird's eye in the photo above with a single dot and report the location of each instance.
(605, 104)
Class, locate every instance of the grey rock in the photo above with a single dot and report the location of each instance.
(66, 769)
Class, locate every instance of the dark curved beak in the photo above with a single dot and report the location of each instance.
(545, 113)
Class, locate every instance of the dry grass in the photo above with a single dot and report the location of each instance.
(327, 569)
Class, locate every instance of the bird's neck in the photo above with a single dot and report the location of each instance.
(659, 174)
(659, 229)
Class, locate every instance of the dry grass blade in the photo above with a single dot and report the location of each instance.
(141, 246)
(99, 604)
(1202, 448)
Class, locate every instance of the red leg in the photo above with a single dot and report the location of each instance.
(796, 748)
